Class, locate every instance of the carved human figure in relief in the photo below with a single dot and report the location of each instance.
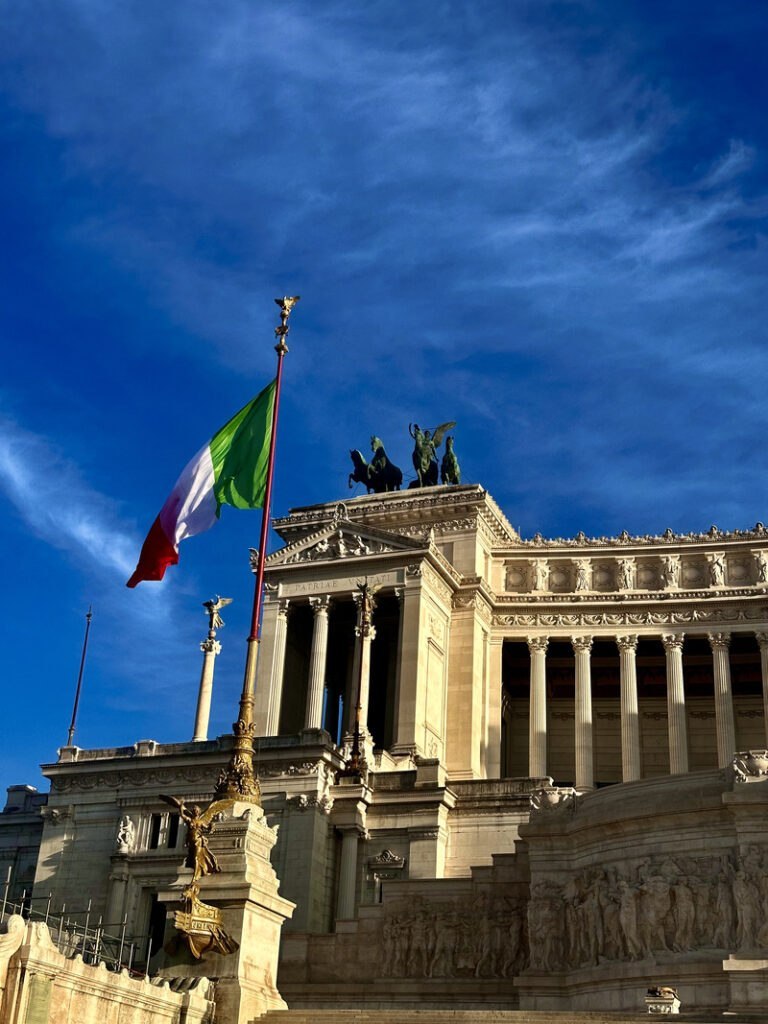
(540, 574)
(761, 564)
(717, 570)
(626, 571)
(628, 919)
(670, 572)
(747, 901)
(582, 574)
(655, 903)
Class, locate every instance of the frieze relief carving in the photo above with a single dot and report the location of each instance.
(341, 544)
(274, 769)
(140, 777)
(461, 937)
(700, 572)
(628, 618)
(440, 526)
(436, 584)
(655, 905)
(165, 776)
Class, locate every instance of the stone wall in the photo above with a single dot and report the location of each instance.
(37, 983)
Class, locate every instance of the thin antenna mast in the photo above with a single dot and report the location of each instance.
(88, 617)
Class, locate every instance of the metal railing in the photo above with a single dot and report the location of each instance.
(76, 932)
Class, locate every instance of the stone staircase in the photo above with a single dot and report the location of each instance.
(427, 1016)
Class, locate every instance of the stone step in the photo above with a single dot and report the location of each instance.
(427, 1016)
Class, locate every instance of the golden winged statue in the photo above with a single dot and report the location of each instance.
(199, 825)
(200, 925)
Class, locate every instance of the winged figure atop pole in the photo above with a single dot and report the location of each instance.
(213, 607)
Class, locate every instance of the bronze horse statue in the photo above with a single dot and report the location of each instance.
(379, 474)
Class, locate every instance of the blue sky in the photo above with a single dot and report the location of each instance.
(546, 221)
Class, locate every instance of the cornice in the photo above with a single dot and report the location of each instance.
(713, 537)
(443, 506)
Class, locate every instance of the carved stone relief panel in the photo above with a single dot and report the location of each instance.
(640, 907)
(515, 577)
(560, 578)
(463, 937)
(694, 573)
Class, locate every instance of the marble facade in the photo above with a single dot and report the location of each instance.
(527, 706)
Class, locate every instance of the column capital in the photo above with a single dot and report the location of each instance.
(627, 642)
(762, 639)
(673, 641)
(399, 593)
(283, 607)
(719, 640)
(582, 643)
(210, 646)
(538, 644)
(320, 604)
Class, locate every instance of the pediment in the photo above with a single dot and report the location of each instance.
(343, 540)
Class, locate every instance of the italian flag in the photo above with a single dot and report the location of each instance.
(231, 469)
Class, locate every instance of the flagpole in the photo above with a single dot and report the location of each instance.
(71, 735)
(238, 779)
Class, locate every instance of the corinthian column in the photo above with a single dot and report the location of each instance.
(585, 770)
(630, 715)
(537, 735)
(724, 722)
(278, 666)
(762, 639)
(314, 713)
(678, 730)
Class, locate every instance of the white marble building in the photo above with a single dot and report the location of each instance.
(592, 673)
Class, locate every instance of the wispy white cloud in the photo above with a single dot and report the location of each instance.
(736, 161)
(51, 496)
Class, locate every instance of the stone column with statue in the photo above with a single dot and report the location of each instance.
(210, 647)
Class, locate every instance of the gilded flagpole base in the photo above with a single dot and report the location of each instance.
(238, 780)
(200, 927)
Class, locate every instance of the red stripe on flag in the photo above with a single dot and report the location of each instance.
(157, 553)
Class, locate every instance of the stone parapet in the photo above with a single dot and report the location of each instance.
(40, 984)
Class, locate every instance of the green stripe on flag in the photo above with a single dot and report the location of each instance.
(240, 453)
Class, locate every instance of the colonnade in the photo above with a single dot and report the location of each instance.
(313, 713)
(629, 714)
